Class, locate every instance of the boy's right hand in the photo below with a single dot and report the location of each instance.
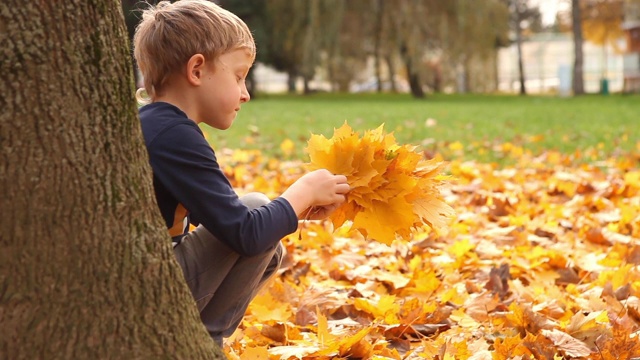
(318, 188)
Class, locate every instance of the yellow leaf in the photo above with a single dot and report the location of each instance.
(386, 309)
(461, 248)
(393, 189)
(632, 178)
(287, 146)
(588, 327)
(381, 222)
(324, 336)
(266, 308)
(349, 344)
(456, 146)
(255, 353)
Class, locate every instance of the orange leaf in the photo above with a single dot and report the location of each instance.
(509, 348)
(255, 353)
(393, 189)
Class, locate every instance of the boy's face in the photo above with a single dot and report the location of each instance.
(223, 88)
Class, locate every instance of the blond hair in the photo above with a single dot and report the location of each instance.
(171, 33)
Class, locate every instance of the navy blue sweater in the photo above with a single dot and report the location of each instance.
(191, 188)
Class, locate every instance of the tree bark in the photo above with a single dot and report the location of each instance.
(86, 266)
(292, 77)
(578, 67)
(518, 28)
(392, 73)
(379, 8)
(415, 85)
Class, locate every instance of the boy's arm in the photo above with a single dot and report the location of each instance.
(185, 163)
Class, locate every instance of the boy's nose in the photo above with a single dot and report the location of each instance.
(244, 95)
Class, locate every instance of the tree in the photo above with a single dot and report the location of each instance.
(378, 6)
(86, 267)
(523, 18)
(601, 25)
(410, 24)
(478, 29)
(578, 69)
(348, 41)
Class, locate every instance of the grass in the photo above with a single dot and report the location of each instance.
(476, 127)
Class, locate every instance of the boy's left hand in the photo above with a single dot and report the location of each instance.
(319, 212)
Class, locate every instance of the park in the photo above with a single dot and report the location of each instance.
(538, 256)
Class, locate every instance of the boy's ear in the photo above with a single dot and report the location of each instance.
(195, 68)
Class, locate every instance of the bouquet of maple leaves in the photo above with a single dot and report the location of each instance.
(394, 190)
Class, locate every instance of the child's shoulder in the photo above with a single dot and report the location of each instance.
(166, 120)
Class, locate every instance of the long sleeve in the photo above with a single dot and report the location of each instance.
(185, 166)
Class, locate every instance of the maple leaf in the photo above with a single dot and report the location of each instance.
(266, 308)
(498, 281)
(588, 327)
(621, 345)
(509, 348)
(566, 343)
(393, 189)
(569, 266)
(523, 318)
(540, 346)
(255, 353)
(386, 308)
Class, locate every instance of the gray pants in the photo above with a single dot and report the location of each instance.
(223, 282)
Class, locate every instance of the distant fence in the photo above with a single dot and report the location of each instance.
(548, 59)
(551, 84)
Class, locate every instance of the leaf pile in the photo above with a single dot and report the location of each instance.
(541, 262)
(393, 188)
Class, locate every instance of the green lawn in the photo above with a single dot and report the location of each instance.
(465, 126)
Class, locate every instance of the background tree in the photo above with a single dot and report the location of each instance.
(602, 25)
(410, 22)
(348, 42)
(478, 30)
(578, 64)
(251, 12)
(385, 35)
(378, 31)
(337, 39)
(86, 267)
(523, 18)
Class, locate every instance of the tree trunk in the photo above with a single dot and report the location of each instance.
(412, 75)
(496, 72)
(466, 73)
(292, 76)
(415, 86)
(392, 74)
(578, 67)
(379, 6)
(306, 88)
(86, 266)
(518, 28)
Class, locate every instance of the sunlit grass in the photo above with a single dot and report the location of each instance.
(467, 127)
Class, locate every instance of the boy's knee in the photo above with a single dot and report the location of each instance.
(254, 200)
(275, 263)
(280, 253)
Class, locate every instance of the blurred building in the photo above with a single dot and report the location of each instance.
(631, 67)
(548, 59)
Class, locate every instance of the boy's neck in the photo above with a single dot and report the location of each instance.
(180, 97)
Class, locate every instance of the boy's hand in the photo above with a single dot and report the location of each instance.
(320, 189)
(319, 212)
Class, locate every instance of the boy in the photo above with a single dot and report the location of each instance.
(194, 57)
